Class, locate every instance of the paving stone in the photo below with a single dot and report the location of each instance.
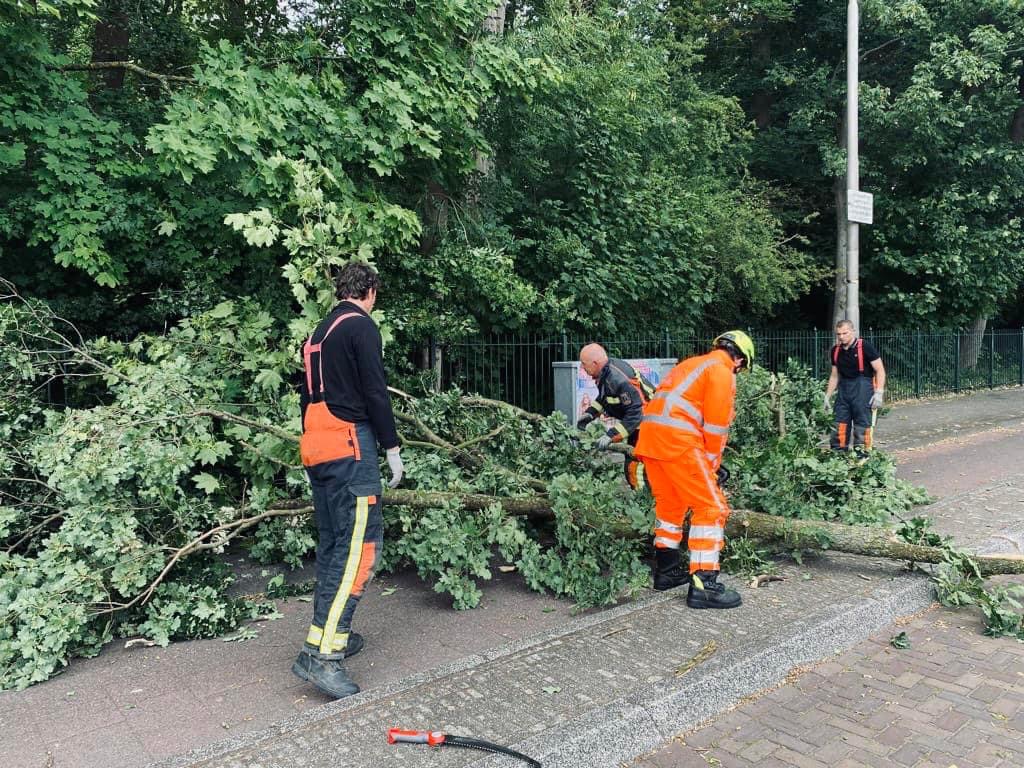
(894, 736)
(951, 721)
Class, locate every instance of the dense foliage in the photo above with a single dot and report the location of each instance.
(942, 140)
(113, 512)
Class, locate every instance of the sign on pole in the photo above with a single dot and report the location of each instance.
(860, 207)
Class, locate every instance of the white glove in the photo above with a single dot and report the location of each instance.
(603, 442)
(877, 399)
(827, 401)
(395, 464)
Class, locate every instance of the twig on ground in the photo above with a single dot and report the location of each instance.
(705, 653)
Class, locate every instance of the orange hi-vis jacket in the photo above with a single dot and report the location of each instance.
(692, 407)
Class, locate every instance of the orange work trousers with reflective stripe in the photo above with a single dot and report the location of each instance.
(688, 484)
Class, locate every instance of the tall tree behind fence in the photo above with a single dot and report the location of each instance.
(518, 368)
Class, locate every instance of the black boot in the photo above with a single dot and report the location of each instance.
(326, 672)
(355, 645)
(669, 571)
(706, 592)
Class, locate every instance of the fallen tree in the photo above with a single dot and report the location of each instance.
(115, 509)
(798, 534)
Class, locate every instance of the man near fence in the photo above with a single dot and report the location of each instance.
(621, 394)
(346, 412)
(684, 431)
(858, 376)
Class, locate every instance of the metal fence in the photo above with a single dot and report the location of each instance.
(517, 368)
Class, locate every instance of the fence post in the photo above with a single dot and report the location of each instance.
(436, 364)
(1021, 378)
(956, 362)
(668, 344)
(991, 357)
(917, 363)
(817, 357)
(565, 346)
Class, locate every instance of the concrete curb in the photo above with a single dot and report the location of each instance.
(640, 722)
(333, 709)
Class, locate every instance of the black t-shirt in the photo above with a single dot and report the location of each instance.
(847, 363)
(355, 385)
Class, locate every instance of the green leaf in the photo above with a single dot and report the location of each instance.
(269, 378)
(900, 641)
(167, 228)
(12, 154)
(223, 310)
(206, 482)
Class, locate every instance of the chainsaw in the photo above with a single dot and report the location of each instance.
(439, 739)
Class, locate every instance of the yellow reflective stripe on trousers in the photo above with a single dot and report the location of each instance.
(316, 635)
(331, 638)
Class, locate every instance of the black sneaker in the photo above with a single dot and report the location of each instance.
(706, 592)
(669, 571)
(327, 674)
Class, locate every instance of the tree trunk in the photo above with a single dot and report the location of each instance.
(855, 540)
(494, 24)
(530, 506)
(798, 534)
(1017, 122)
(495, 21)
(762, 100)
(970, 349)
(110, 41)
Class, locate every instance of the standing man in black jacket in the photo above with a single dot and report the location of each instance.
(346, 413)
(621, 394)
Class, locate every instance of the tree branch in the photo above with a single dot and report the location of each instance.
(223, 416)
(131, 66)
(483, 401)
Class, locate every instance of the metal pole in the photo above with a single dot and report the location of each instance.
(956, 363)
(917, 363)
(817, 356)
(991, 357)
(852, 162)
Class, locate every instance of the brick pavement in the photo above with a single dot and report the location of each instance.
(954, 698)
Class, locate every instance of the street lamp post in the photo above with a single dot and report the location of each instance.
(852, 164)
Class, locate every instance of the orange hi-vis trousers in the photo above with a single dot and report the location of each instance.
(688, 483)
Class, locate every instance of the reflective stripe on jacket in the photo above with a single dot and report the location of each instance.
(692, 406)
(622, 393)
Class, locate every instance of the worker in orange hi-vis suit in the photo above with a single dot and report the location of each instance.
(682, 437)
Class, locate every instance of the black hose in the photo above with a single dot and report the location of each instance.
(486, 746)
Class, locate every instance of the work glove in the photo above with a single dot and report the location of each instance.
(584, 420)
(877, 399)
(723, 476)
(396, 466)
(826, 400)
(603, 442)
